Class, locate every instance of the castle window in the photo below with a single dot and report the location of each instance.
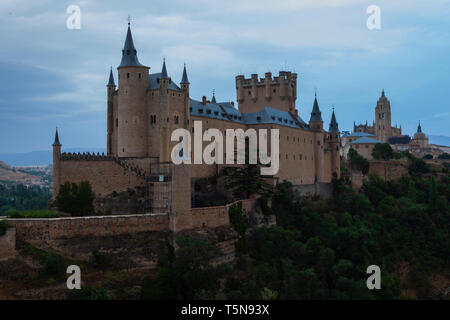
(117, 122)
(318, 143)
(274, 90)
(200, 110)
(249, 93)
(128, 75)
(258, 118)
(294, 156)
(383, 115)
(301, 157)
(208, 111)
(175, 119)
(273, 118)
(337, 148)
(286, 155)
(287, 138)
(190, 109)
(216, 113)
(139, 76)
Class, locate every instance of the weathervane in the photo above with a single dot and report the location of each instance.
(129, 19)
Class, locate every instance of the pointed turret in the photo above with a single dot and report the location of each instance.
(419, 128)
(111, 82)
(333, 124)
(164, 70)
(129, 53)
(184, 79)
(56, 142)
(213, 100)
(316, 115)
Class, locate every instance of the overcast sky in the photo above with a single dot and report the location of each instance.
(52, 76)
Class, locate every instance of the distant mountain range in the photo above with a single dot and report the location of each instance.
(43, 158)
(39, 158)
(439, 140)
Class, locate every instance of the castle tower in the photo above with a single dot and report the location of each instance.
(185, 88)
(278, 93)
(383, 119)
(335, 144)
(420, 140)
(111, 88)
(316, 125)
(164, 113)
(56, 165)
(132, 117)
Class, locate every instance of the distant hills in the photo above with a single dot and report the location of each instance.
(9, 174)
(439, 140)
(39, 158)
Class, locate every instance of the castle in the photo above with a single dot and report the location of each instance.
(145, 108)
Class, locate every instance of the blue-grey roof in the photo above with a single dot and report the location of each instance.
(164, 70)
(419, 128)
(359, 134)
(153, 82)
(213, 110)
(366, 140)
(56, 142)
(316, 115)
(333, 124)
(184, 79)
(265, 116)
(129, 53)
(111, 79)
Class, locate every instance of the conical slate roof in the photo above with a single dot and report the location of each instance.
(184, 79)
(164, 70)
(419, 128)
(56, 142)
(316, 115)
(129, 53)
(333, 124)
(111, 79)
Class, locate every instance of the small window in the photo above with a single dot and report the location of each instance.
(208, 111)
(175, 119)
(258, 118)
(128, 75)
(140, 76)
(117, 122)
(216, 113)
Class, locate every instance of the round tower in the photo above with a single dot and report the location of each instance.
(185, 88)
(111, 88)
(132, 112)
(56, 165)
(316, 125)
(335, 145)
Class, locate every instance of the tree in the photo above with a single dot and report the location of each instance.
(357, 161)
(428, 156)
(76, 199)
(444, 156)
(382, 151)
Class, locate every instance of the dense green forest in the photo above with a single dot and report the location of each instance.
(320, 249)
(21, 197)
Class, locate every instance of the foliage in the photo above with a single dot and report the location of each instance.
(357, 161)
(54, 264)
(21, 197)
(76, 199)
(382, 151)
(444, 156)
(3, 226)
(428, 156)
(417, 166)
(237, 219)
(16, 214)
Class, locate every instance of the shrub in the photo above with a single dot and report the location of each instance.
(17, 214)
(382, 151)
(54, 263)
(444, 156)
(3, 227)
(76, 199)
(357, 161)
(237, 219)
(88, 293)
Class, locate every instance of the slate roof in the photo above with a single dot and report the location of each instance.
(359, 134)
(316, 115)
(153, 82)
(333, 124)
(111, 79)
(365, 140)
(56, 142)
(129, 53)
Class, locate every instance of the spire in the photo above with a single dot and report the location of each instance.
(129, 53)
(56, 142)
(164, 70)
(382, 92)
(184, 79)
(316, 115)
(111, 79)
(419, 128)
(213, 100)
(333, 124)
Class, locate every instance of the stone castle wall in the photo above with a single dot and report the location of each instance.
(59, 228)
(105, 174)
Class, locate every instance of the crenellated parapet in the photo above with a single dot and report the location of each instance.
(276, 92)
(65, 156)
